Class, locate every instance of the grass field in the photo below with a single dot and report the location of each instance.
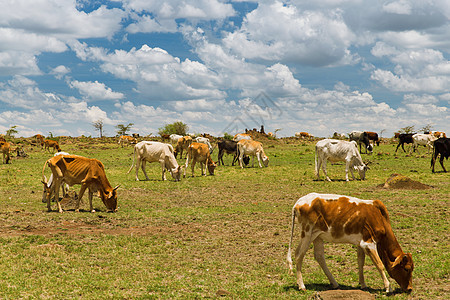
(205, 237)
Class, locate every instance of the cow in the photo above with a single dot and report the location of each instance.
(182, 144)
(5, 148)
(126, 139)
(344, 219)
(338, 150)
(251, 148)
(39, 139)
(303, 135)
(373, 136)
(174, 138)
(165, 137)
(229, 147)
(155, 152)
(204, 140)
(199, 152)
(135, 135)
(74, 169)
(52, 144)
(424, 140)
(439, 134)
(404, 138)
(442, 148)
(361, 137)
(50, 182)
(242, 136)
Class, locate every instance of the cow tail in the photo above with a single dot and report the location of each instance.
(134, 159)
(43, 169)
(289, 254)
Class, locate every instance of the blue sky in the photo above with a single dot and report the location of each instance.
(221, 66)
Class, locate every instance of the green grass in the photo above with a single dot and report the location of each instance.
(226, 233)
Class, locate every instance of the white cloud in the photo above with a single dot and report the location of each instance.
(95, 90)
(60, 71)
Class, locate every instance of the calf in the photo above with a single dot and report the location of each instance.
(424, 140)
(344, 219)
(361, 137)
(229, 147)
(155, 152)
(253, 148)
(199, 152)
(52, 144)
(126, 139)
(404, 138)
(337, 150)
(442, 148)
(5, 148)
(74, 169)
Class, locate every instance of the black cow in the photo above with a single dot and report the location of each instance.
(441, 147)
(404, 138)
(229, 147)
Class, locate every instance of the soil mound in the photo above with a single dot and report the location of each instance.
(398, 181)
(344, 295)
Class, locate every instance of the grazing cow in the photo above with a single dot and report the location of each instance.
(424, 140)
(373, 136)
(204, 140)
(253, 148)
(5, 148)
(338, 136)
(182, 144)
(404, 138)
(442, 148)
(174, 138)
(40, 139)
(165, 137)
(52, 144)
(229, 147)
(199, 152)
(303, 135)
(439, 134)
(74, 169)
(337, 150)
(344, 219)
(126, 139)
(156, 152)
(50, 182)
(361, 137)
(242, 136)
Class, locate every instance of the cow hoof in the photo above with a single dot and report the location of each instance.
(93, 211)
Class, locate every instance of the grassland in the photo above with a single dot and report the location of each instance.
(208, 236)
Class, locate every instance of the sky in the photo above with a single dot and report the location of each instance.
(219, 66)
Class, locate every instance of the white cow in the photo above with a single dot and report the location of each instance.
(337, 150)
(156, 152)
(64, 187)
(242, 136)
(204, 140)
(174, 138)
(424, 140)
(253, 148)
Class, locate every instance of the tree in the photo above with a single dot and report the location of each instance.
(11, 131)
(98, 125)
(123, 129)
(174, 128)
(426, 128)
(407, 129)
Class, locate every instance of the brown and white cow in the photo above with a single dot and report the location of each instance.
(373, 136)
(344, 219)
(199, 152)
(147, 151)
(182, 144)
(74, 169)
(52, 144)
(439, 134)
(304, 135)
(251, 148)
(5, 148)
(126, 139)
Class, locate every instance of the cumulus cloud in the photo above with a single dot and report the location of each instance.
(95, 90)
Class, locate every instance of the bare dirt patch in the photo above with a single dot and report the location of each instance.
(398, 181)
(344, 295)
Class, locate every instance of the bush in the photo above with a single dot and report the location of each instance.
(174, 128)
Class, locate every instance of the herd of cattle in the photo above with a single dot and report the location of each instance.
(321, 217)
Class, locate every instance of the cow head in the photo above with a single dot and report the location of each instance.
(401, 271)
(110, 199)
(362, 171)
(47, 192)
(211, 166)
(265, 160)
(176, 173)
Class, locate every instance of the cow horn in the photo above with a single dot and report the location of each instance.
(116, 187)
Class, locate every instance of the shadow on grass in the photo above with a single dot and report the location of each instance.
(321, 287)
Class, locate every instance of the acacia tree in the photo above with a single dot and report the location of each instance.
(12, 131)
(123, 129)
(98, 125)
(174, 128)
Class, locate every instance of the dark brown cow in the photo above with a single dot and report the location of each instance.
(344, 219)
(74, 169)
(373, 136)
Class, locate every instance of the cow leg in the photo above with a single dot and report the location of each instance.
(91, 208)
(441, 160)
(373, 254)
(258, 155)
(361, 260)
(143, 164)
(324, 169)
(163, 167)
(194, 161)
(80, 195)
(300, 252)
(58, 182)
(319, 255)
(241, 160)
(201, 166)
